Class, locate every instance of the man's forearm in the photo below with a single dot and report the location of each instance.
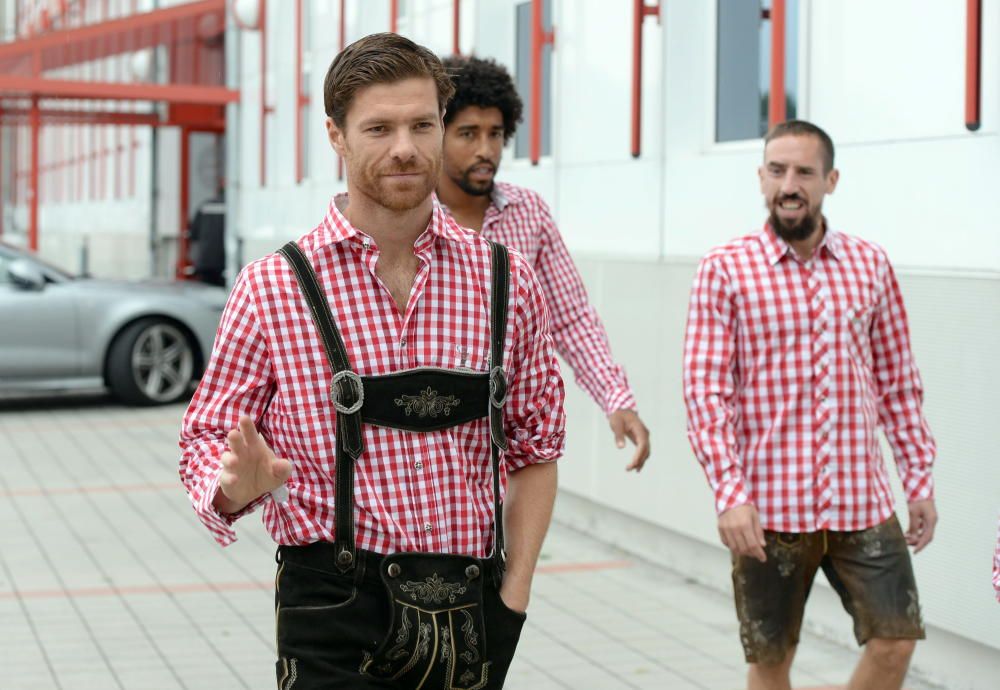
(531, 494)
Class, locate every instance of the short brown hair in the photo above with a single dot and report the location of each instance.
(801, 128)
(379, 59)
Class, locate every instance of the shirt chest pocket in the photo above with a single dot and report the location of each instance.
(856, 330)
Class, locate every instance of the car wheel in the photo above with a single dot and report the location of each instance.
(151, 362)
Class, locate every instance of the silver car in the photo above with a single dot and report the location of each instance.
(145, 341)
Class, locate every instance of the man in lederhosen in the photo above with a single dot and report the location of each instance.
(377, 387)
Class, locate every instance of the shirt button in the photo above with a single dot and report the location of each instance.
(402, 343)
(428, 527)
(419, 465)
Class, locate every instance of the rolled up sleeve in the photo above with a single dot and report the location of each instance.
(534, 418)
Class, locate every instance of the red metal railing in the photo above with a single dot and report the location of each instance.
(973, 63)
(776, 101)
(394, 16)
(539, 38)
(640, 12)
(456, 15)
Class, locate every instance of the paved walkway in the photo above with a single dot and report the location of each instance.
(107, 580)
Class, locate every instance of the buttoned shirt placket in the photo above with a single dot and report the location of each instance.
(819, 340)
(423, 501)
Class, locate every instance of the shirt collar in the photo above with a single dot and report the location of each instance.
(336, 228)
(504, 195)
(776, 248)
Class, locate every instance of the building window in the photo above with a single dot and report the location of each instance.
(743, 77)
(522, 68)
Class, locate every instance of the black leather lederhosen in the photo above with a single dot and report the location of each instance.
(437, 637)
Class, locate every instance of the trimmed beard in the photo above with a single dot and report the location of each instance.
(466, 185)
(794, 233)
(372, 184)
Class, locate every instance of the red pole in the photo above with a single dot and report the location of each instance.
(79, 163)
(973, 54)
(15, 171)
(343, 44)
(640, 12)
(1, 173)
(776, 102)
(394, 16)
(36, 126)
(264, 109)
(102, 169)
(539, 37)
(456, 30)
(132, 135)
(298, 92)
(182, 239)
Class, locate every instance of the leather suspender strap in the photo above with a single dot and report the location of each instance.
(500, 279)
(347, 394)
(346, 401)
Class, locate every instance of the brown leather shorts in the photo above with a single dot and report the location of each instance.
(870, 570)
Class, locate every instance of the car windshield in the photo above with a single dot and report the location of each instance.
(10, 253)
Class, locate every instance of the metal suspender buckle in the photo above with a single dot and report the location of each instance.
(337, 390)
(498, 387)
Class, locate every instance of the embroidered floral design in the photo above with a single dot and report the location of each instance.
(423, 641)
(402, 637)
(446, 647)
(471, 655)
(433, 590)
(429, 403)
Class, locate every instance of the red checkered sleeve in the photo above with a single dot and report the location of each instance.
(710, 387)
(577, 330)
(238, 381)
(534, 417)
(996, 566)
(899, 392)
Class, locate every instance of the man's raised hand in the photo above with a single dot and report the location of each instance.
(249, 469)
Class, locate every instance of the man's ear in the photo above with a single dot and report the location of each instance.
(336, 136)
(831, 180)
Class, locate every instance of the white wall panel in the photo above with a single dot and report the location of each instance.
(889, 70)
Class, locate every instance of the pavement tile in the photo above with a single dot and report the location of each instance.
(107, 580)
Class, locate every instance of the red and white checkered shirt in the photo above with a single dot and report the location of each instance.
(996, 566)
(790, 368)
(519, 218)
(412, 491)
